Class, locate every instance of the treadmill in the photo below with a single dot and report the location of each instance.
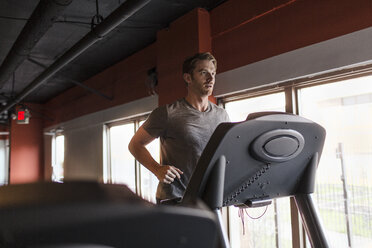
(250, 163)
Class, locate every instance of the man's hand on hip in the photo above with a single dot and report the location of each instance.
(168, 173)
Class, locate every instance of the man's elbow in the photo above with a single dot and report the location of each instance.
(131, 146)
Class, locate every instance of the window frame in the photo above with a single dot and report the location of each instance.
(107, 150)
(291, 89)
(54, 155)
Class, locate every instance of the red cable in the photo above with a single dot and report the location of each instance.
(241, 216)
(255, 218)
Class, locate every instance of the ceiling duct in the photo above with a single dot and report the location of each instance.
(123, 12)
(43, 17)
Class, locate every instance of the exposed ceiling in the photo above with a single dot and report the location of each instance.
(64, 26)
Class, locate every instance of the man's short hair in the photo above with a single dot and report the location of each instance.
(190, 63)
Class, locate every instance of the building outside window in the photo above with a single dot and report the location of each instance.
(58, 156)
(123, 168)
(265, 226)
(122, 164)
(344, 177)
(4, 161)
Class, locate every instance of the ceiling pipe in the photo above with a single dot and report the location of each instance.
(42, 18)
(123, 12)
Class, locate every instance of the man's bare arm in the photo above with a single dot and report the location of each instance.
(137, 146)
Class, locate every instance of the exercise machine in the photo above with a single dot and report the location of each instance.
(94, 215)
(268, 156)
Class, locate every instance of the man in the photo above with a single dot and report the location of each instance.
(184, 128)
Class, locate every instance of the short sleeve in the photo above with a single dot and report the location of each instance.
(156, 123)
(226, 116)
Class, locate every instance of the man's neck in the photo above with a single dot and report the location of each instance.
(200, 103)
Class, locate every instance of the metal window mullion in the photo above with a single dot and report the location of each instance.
(54, 152)
(291, 106)
(276, 219)
(108, 154)
(346, 194)
(228, 228)
(7, 145)
(137, 166)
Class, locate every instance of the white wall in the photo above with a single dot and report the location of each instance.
(83, 153)
(84, 138)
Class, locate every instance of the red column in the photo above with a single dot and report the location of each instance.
(186, 36)
(26, 148)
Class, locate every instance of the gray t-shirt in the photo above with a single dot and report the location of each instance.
(184, 132)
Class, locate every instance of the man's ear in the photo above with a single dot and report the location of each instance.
(187, 77)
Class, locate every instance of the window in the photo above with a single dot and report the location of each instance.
(239, 110)
(344, 178)
(259, 227)
(122, 167)
(58, 156)
(4, 161)
(122, 164)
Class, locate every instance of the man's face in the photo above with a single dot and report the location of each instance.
(202, 79)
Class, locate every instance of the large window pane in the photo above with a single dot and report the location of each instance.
(4, 161)
(123, 170)
(123, 165)
(273, 229)
(344, 177)
(239, 110)
(59, 157)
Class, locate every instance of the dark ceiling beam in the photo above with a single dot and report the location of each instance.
(123, 12)
(43, 17)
